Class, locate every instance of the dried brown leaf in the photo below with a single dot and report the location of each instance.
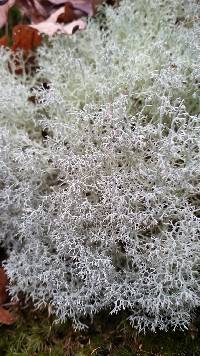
(6, 317)
(3, 285)
(26, 38)
(68, 15)
(88, 7)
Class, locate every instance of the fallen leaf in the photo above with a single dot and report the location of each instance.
(6, 317)
(50, 28)
(3, 285)
(48, 17)
(68, 14)
(54, 16)
(88, 7)
(25, 37)
(40, 10)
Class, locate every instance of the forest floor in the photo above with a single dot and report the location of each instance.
(36, 333)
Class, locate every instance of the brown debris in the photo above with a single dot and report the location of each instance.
(6, 317)
(68, 15)
(3, 285)
(26, 38)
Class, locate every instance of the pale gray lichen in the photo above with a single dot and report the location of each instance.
(104, 212)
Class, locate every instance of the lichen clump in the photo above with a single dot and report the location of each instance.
(102, 212)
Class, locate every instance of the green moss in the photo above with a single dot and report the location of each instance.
(168, 344)
(35, 333)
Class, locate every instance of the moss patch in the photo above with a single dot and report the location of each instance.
(35, 333)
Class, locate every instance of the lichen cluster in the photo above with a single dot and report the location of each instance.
(102, 211)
